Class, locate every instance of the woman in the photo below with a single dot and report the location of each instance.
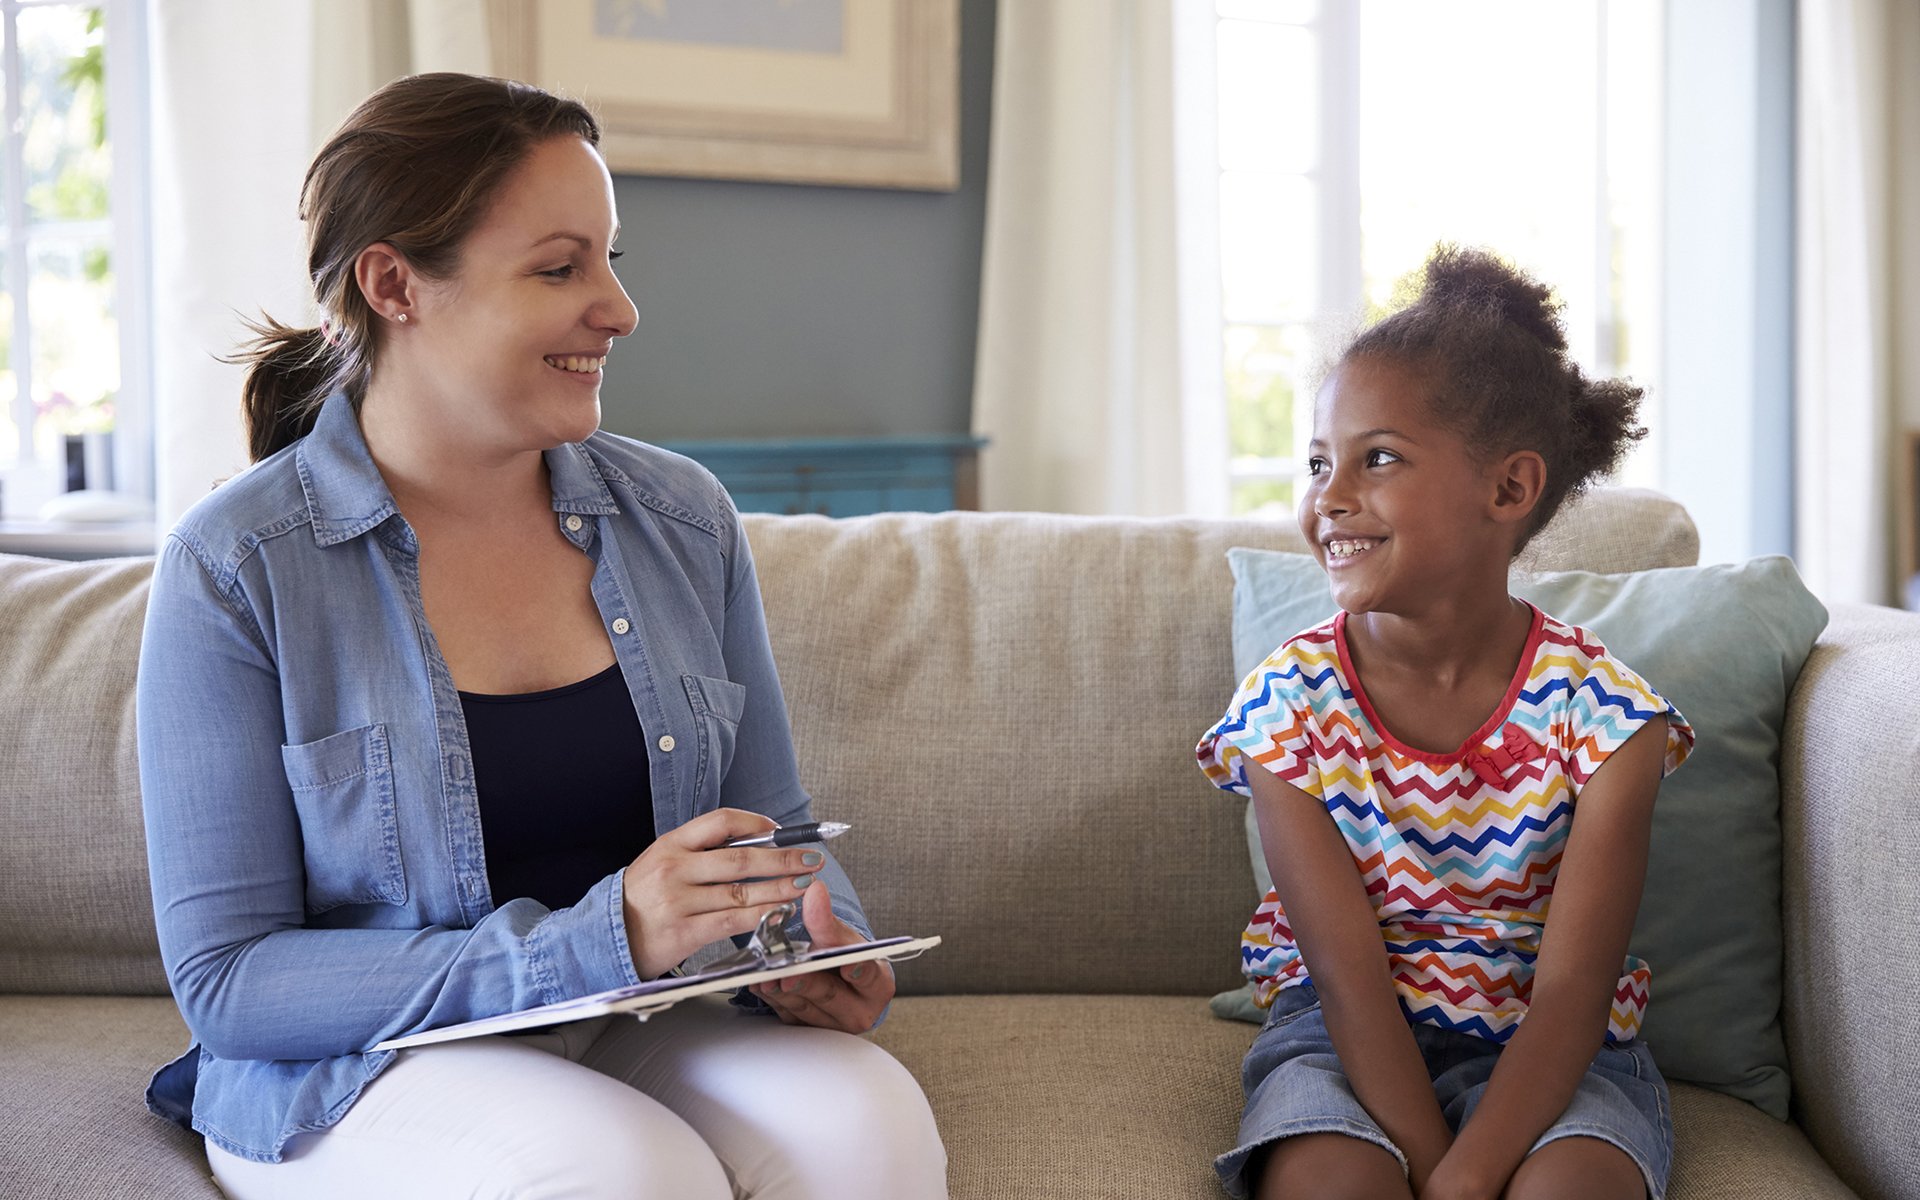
(445, 706)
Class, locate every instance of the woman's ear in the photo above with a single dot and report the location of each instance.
(1518, 480)
(387, 280)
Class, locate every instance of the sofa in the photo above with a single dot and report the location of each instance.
(1004, 706)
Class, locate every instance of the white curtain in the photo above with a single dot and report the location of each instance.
(1097, 379)
(1858, 290)
(243, 93)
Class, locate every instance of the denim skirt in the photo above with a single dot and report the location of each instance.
(1294, 1085)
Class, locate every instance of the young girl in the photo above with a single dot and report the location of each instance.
(1417, 765)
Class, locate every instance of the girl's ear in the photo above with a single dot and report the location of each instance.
(1518, 481)
(387, 280)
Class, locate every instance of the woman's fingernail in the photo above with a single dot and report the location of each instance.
(811, 858)
(802, 882)
(858, 974)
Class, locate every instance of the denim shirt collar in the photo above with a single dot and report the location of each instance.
(348, 497)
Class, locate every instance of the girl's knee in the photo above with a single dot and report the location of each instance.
(1577, 1168)
(1327, 1166)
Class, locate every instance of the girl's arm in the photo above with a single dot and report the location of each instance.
(1594, 903)
(1334, 924)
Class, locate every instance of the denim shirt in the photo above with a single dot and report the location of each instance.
(312, 830)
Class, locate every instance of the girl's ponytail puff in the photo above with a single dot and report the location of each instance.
(1603, 425)
(291, 371)
(1475, 281)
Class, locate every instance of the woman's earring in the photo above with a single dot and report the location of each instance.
(402, 318)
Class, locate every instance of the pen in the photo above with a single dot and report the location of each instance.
(793, 835)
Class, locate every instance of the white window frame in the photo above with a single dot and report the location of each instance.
(1336, 29)
(126, 81)
(1335, 178)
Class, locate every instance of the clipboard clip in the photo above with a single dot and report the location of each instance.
(769, 945)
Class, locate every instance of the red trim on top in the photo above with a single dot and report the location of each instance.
(1520, 675)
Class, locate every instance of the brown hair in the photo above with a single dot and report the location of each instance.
(1486, 337)
(416, 166)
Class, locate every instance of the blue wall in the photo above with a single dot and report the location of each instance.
(775, 310)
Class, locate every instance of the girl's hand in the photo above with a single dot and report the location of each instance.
(849, 999)
(1456, 1179)
(684, 892)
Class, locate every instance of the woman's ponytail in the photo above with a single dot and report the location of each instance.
(290, 372)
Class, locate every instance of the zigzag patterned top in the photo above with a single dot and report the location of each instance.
(1458, 851)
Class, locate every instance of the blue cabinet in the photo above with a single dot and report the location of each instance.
(844, 477)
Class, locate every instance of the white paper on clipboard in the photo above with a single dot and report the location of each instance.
(645, 999)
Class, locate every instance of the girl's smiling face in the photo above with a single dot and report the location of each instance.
(512, 347)
(1397, 508)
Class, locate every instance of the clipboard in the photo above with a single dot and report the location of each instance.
(769, 954)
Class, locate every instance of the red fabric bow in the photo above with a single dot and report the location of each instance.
(1515, 748)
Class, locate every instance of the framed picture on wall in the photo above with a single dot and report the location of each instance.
(861, 93)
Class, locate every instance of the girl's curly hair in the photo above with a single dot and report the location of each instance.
(1488, 340)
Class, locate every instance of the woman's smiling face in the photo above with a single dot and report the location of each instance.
(514, 344)
(1396, 507)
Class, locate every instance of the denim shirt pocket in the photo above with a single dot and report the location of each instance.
(343, 792)
(718, 705)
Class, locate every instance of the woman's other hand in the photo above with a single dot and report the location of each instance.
(686, 890)
(849, 999)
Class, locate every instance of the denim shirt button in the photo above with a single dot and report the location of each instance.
(573, 524)
(666, 743)
(620, 625)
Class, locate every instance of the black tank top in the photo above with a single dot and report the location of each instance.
(562, 779)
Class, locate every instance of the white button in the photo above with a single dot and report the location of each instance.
(666, 743)
(573, 524)
(620, 625)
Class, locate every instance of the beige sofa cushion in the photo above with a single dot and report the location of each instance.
(1036, 1096)
(72, 1125)
(75, 911)
(1105, 1096)
(1851, 821)
(976, 637)
(1005, 707)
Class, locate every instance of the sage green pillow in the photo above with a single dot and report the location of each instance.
(1724, 644)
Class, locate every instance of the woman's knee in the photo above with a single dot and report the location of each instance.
(644, 1152)
(874, 1102)
(866, 1109)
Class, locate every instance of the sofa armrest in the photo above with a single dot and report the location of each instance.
(1850, 812)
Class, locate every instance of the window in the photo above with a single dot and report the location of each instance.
(1355, 134)
(73, 394)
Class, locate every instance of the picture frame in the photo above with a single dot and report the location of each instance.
(858, 93)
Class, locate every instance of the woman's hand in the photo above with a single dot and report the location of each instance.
(849, 999)
(684, 891)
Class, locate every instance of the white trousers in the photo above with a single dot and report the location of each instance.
(701, 1102)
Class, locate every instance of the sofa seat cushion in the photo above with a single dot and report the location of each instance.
(1074, 1095)
(1726, 1149)
(1108, 1096)
(73, 1121)
(1065, 1096)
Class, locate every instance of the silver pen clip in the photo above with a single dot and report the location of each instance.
(768, 946)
